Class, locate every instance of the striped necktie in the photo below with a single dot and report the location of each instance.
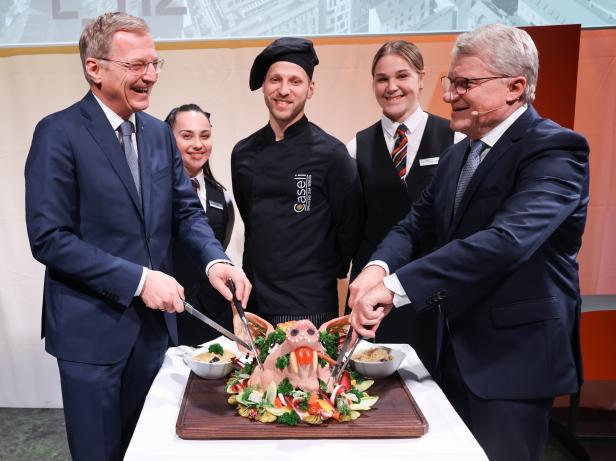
(195, 185)
(398, 154)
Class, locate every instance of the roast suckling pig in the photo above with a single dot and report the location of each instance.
(294, 384)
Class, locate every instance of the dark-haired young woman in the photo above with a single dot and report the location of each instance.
(193, 135)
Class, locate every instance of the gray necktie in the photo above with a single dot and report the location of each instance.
(126, 130)
(468, 170)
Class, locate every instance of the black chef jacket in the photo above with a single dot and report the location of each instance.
(301, 203)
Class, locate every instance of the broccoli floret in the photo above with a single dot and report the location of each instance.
(330, 343)
(277, 337)
(285, 387)
(282, 362)
(290, 419)
(322, 362)
(261, 342)
(215, 349)
(248, 368)
(303, 404)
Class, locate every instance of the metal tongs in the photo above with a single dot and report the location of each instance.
(242, 314)
(343, 357)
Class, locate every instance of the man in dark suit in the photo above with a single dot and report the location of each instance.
(105, 192)
(504, 217)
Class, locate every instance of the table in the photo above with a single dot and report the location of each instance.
(155, 439)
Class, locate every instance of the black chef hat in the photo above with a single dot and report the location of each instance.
(291, 49)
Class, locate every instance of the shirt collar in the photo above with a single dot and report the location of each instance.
(495, 133)
(200, 177)
(412, 122)
(114, 118)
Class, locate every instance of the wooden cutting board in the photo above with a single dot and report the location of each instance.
(205, 414)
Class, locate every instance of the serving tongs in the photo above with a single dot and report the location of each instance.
(242, 314)
(343, 357)
(208, 321)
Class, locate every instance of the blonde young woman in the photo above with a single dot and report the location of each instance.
(396, 157)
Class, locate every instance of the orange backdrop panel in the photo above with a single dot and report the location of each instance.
(595, 117)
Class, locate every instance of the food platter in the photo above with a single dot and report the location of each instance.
(205, 414)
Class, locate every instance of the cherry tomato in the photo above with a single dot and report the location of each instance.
(304, 355)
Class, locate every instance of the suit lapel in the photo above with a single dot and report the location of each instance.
(100, 129)
(144, 149)
(505, 142)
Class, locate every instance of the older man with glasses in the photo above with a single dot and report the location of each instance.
(504, 218)
(105, 192)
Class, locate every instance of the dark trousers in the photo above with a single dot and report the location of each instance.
(507, 430)
(102, 403)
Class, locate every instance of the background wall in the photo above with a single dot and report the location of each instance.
(35, 83)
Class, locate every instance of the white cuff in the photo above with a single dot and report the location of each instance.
(392, 283)
(379, 263)
(144, 274)
(215, 261)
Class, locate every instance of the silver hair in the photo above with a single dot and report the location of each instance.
(95, 40)
(505, 50)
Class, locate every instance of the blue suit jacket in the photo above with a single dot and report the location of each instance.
(503, 271)
(87, 226)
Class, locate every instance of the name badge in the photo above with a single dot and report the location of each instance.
(216, 205)
(428, 161)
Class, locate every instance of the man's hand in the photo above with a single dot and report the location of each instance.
(370, 277)
(220, 273)
(163, 292)
(370, 310)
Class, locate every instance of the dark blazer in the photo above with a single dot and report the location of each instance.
(87, 225)
(197, 288)
(503, 271)
(387, 200)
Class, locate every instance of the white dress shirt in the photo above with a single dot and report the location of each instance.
(415, 127)
(201, 192)
(115, 120)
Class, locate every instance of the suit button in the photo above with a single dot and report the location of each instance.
(147, 238)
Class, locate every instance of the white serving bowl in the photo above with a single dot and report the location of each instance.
(206, 370)
(378, 369)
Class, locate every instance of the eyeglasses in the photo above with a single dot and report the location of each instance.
(139, 67)
(463, 85)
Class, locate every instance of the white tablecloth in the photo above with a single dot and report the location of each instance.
(155, 439)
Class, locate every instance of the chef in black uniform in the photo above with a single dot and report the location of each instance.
(193, 135)
(298, 193)
(397, 157)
